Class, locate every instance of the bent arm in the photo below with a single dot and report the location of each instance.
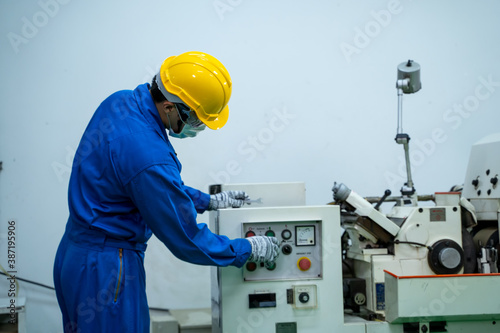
(199, 198)
(169, 211)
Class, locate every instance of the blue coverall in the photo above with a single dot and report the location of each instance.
(125, 185)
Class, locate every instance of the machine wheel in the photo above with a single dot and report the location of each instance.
(446, 257)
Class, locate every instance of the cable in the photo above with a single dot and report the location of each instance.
(412, 243)
(29, 281)
(349, 267)
(4, 272)
(159, 309)
(52, 288)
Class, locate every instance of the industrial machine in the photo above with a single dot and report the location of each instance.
(431, 246)
(412, 281)
(429, 268)
(481, 189)
(348, 267)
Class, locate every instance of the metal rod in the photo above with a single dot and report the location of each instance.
(408, 166)
(425, 197)
(400, 111)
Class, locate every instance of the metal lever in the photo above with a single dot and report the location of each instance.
(251, 201)
(379, 203)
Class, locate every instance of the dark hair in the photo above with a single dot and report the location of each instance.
(155, 92)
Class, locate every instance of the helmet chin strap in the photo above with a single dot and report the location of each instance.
(179, 123)
(169, 123)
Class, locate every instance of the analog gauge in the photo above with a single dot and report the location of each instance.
(305, 235)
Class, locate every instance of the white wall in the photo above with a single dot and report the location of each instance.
(314, 100)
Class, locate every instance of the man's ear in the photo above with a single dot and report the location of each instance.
(167, 106)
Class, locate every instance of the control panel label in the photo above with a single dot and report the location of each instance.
(380, 290)
(286, 327)
(437, 214)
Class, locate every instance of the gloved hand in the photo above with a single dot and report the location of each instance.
(264, 249)
(226, 199)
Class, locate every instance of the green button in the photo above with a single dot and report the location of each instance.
(270, 233)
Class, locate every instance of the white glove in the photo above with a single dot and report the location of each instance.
(234, 199)
(264, 249)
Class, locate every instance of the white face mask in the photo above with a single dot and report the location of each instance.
(187, 131)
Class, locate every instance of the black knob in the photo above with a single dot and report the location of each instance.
(386, 194)
(475, 182)
(304, 297)
(494, 180)
(286, 249)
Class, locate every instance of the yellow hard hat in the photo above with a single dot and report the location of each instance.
(201, 82)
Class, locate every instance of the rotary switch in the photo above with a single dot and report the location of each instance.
(304, 297)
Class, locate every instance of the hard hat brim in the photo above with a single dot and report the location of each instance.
(218, 122)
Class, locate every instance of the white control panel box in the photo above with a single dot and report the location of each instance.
(302, 292)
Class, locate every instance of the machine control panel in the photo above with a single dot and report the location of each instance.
(300, 291)
(300, 251)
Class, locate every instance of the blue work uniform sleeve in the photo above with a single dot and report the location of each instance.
(169, 211)
(199, 198)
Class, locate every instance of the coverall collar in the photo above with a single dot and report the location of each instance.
(149, 110)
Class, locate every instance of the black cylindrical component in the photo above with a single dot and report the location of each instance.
(304, 297)
(286, 249)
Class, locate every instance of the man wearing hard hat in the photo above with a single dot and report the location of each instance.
(125, 185)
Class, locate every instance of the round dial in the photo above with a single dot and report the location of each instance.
(304, 297)
(286, 234)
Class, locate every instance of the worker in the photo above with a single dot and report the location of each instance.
(125, 185)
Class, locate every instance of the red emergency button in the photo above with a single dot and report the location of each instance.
(304, 264)
(251, 266)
